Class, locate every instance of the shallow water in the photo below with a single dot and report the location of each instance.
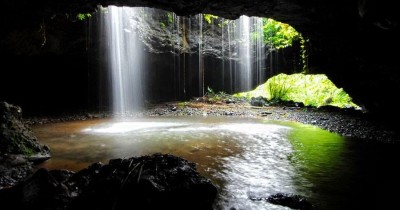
(243, 157)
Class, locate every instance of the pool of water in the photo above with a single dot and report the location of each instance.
(243, 157)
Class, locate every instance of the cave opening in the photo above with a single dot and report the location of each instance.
(140, 55)
(255, 146)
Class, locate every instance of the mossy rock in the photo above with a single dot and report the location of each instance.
(16, 137)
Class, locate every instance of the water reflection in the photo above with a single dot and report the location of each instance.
(244, 157)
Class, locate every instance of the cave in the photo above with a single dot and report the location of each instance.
(352, 45)
(53, 65)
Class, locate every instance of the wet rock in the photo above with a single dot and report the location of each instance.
(19, 148)
(259, 101)
(15, 136)
(330, 108)
(230, 101)
(291, 201)
(256, 198)
(265, 113)
(228, 113)
(148, 182)
(44, 190)
(14, 168)
(292, 104)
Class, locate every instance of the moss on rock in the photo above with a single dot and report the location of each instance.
(15, 136)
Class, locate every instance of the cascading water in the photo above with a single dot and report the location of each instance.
(125, 58)
(244, 53)
(234, 49)
(260, 55)
(230, 60)
(201, 64)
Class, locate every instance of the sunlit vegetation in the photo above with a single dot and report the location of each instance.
(276, 35)
(215, 97)
(279, 35)
(170, 17)
(83, 16)
(312, 90)
(209, 18)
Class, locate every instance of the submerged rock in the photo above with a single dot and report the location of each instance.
(291, 201)
(147, 182)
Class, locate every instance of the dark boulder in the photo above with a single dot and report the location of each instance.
(148, 182)
(291, 201)
(19, 148)
(259, 101)
(14, 168)
(16, 137)
(43, 190)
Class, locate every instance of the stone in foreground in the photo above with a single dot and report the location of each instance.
(147, 182)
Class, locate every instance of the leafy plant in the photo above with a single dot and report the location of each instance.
(278, 35)
(304, 54)
(214, 97)
(278, 89)
(313, 90)
(83, 16)
(170, 17)
(209, 90)
(209, 18)
(162, 25)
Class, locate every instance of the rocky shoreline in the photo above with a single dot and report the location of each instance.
(346, 122)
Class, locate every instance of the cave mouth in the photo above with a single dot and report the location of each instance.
(382, 158)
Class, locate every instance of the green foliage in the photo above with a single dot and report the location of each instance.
(170, 17)
(209, 18)
(213, 97)
(304, 53)
(225, 22)
(278, 35)
(162, 25)
(26, 150)
(183, 104)
(81, 16)
(278, 89)
(209, 90)
(313, 90)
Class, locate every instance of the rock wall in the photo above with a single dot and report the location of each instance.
(15, 136)
(19, 148)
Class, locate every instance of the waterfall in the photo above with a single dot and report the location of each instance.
(231, 86)
(231, 55)
(260, 51)
(125, 58)
(244, 53)
(201, 65)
